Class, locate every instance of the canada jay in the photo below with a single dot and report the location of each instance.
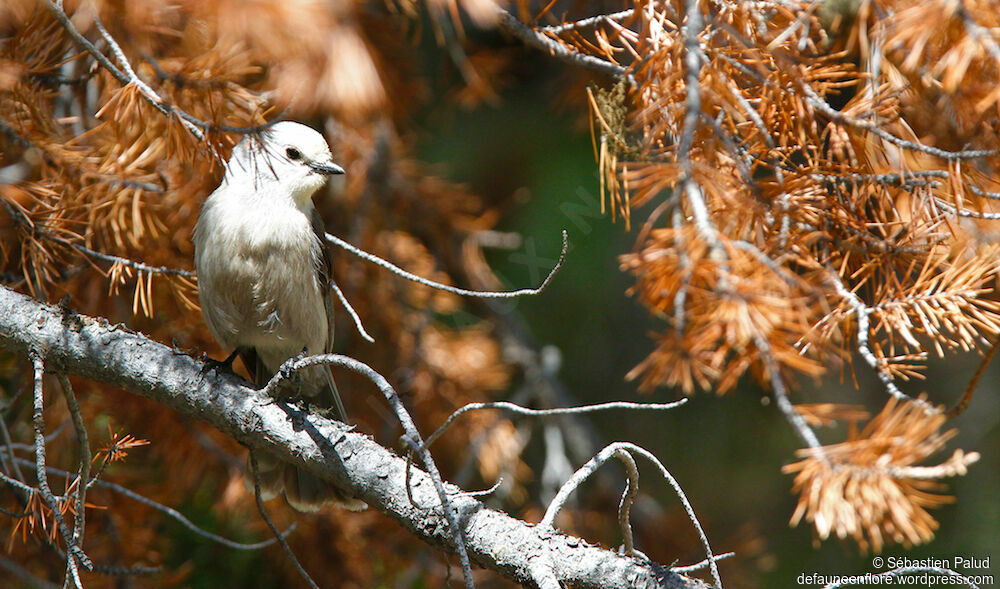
(264, 279)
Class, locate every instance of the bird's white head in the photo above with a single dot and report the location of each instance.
(286, 159)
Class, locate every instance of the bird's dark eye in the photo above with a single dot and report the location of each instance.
(293, 154)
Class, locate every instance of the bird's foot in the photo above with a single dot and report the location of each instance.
(287, 368)
(213, 365)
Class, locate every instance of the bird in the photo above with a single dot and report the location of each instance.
(264, 271)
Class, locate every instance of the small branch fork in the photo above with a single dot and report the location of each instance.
(538, 40)
(76, 556)
(73, 539)
(623, 451)
(862, 312)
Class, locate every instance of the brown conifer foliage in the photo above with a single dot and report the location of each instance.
(821, 178)
(825, 182)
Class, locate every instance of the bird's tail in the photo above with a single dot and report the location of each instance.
(304, 491)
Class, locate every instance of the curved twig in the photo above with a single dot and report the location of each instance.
(170, 511)
(452, 289)
(270, 524)
(351, 312)
(613, 450)
(515, 408)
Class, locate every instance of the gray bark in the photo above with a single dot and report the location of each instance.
(91, 347)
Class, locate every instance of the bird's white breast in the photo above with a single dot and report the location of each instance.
(258, 263)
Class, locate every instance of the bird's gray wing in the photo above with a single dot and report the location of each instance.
(324, 269)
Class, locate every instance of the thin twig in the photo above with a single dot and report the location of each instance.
(795, 418)
(533, 38)
(965, 212)
(83, 443)
(459, 291)
(38, 420)
(112, 570)
(514, 408)
(861, 313)
(196, 126)
(587, 22)
(960, 407)
(173, 513)
(351, 312)
(270, 524)
(701, 564)
(140, 266)
(483, 492)
(909, 180)
(873, 127)
(628, 498)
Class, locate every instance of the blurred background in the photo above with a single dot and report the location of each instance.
(467, 156)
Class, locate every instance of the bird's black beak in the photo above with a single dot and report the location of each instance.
(326, 168)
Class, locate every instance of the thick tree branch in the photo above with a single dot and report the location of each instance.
(112, 354)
